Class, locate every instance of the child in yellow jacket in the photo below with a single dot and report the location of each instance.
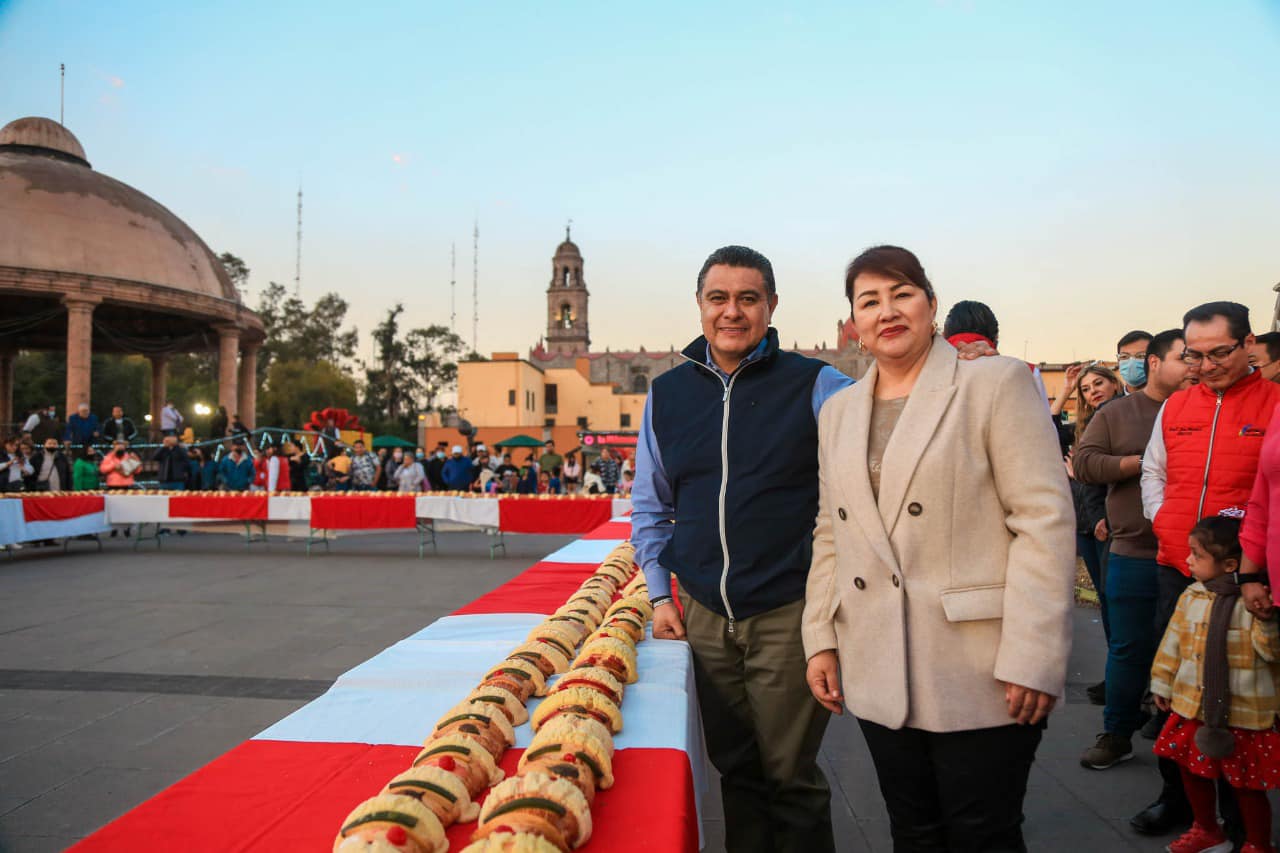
(1216, 672)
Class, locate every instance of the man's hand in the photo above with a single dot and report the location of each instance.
(823, 676)
(1162, 703)
(1100, 530)
(667, 624)
(975, 349)
(1027, 706)
(1257, 598)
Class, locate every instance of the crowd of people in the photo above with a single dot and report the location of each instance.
(905, 548)
(84, 454)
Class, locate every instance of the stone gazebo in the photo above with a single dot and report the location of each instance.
(93, 265)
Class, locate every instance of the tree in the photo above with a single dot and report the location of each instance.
(237, 271)
(410, 372)
(296, 332)
(296, 387)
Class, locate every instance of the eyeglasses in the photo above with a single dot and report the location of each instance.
(1217, 356)
(1122, 357)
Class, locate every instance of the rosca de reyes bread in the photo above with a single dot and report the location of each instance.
(547, 658)
(501, 698)
(558, 726)
(573, 756)
(401, 822)
(437, 789)
(481, 721)
(464, 757)
(519, 677)
(511, 842)
(582, 702)
(539, 804)
(614, 655)
(593, 678)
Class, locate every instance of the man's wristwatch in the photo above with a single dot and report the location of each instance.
(655, 603)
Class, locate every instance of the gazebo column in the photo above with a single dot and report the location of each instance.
(249, 384)
(79, 348)
(7, 360)
(228, 348)
(159, 390)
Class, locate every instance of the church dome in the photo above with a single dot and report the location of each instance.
(57, 215)
(568, 247)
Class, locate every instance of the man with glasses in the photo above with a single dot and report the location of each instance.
(1264, 356)
(1203, 451)
(1131, 359)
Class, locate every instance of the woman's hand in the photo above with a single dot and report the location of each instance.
(823, 677)
(1069, 378)
(1100, 531)
(1162, 703)
(1027, 706)
(667, 624)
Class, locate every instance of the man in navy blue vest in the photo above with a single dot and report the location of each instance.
(725, 495)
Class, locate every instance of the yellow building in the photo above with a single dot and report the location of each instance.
(509, 395)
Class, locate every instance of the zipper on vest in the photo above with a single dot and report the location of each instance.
(1213, 433)
(724, 479)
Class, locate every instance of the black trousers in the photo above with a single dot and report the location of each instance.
(954, 792)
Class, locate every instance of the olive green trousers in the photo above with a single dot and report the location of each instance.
(763, 728)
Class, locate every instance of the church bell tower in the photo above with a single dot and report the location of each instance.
(567, 296)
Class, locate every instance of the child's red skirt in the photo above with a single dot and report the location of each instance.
(1254, 765)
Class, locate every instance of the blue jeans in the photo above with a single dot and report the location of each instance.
(1094, 554)
(1132, 593)
(172, 486)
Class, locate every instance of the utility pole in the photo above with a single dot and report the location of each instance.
(62, 94)
(297, 269)
(453, 288)
(475, 287)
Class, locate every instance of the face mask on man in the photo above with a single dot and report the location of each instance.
(420, 455)
(1133, 372)
(398, 455)
(439, 454)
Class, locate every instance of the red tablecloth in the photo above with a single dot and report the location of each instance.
(361, 512)
(539, 589)
(611, 530)
(242, 507)
(283, 795)
(562, 515)
(61, 507)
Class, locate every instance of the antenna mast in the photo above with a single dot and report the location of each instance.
(62, 94)
(475, 287)
(453, 287)
(297, 269)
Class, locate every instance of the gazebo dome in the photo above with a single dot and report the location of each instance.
(568, 247)
(59, 215)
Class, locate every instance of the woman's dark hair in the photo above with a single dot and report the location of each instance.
(975, 318)
(1220, 536)
(891, 262)
(1236, 315)
(739, 256)
(87, 451)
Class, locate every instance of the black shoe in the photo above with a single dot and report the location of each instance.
(1161, 818)
(1151, 728)
(1109, 750)
(1097, 693)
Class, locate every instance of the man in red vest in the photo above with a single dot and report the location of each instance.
(1202, 458)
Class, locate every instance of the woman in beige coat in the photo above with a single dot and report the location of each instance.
(940, 592)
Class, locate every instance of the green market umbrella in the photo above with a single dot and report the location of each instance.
(520, 441)
(391, 441)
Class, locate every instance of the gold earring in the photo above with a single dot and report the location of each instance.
(861, 346)
(935, 328)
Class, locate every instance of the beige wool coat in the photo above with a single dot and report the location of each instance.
(962, 576)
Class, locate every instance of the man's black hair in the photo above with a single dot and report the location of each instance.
(1271, 340)
(1133, 337)
(1160, 345)
(739, 256)
(971, 317)
(1236, 315)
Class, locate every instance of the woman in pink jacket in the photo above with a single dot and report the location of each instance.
(119, 466)
(1259, 539)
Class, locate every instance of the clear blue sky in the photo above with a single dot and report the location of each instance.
(1083, 167)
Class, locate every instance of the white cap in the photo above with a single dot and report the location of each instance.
(480, 447)
(457, 448)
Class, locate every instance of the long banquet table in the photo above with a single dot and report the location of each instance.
(289, 787)
(26, 517)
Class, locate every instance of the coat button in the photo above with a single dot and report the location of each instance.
(843, 515)
(896, 582)
(859, 583)
(914, 508)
